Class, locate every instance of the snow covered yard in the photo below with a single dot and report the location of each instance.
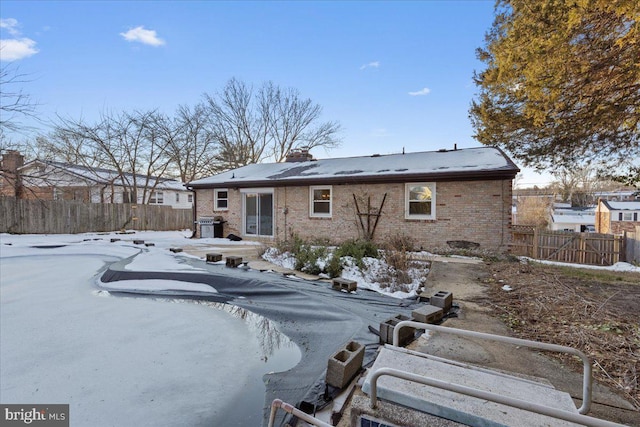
(126, 361)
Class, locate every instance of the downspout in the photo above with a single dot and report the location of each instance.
(194, 210)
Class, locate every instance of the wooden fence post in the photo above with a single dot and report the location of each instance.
(536, 246)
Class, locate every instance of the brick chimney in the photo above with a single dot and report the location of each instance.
(12, 160)
(299, 155)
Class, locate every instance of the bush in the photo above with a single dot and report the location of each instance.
(358, 249)
(307, 258)
(334, 267)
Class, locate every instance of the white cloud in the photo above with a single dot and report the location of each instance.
(14, 49)
(140, 35)
(11, 25)
(374, 64)
(421, 92)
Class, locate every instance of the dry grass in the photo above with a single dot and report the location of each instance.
(597, 313)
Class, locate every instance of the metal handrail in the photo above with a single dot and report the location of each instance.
(586, 377)
(277, 403)
(481, 394)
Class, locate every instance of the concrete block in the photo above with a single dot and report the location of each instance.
(344, 364)
(214, 257)
(427, 314)
(233, 261)
(138, 242)
(175, 250)
(340, 283)
(386, 331)
(443, 300)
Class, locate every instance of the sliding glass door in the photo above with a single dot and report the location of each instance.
(258, 213)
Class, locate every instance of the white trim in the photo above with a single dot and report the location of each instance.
(313, 214)
(432, 187)
(257, 191)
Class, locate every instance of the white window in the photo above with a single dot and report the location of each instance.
(420, 200)
(320, 201)
(627, 216)
(156, 198)
(220, 199)
(190, 198)
(58, 194)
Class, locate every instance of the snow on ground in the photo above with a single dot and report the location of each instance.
(125, 361)
(371, 277)
(618, 266)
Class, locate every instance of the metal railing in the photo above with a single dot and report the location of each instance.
(586, 376)
(277, 403)
(481, 394)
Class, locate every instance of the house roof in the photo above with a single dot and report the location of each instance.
(462, 164)
(108, 177)
(621, 206)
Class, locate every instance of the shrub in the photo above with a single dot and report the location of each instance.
(334, 267)
(358, 249)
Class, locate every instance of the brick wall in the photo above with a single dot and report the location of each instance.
(477, 211)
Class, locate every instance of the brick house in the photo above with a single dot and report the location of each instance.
(49, 180)
(434, 197)
(617, 217)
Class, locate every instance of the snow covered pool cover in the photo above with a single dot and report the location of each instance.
(150, 361)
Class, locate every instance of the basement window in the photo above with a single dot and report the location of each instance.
(320, 201)
(420, 200)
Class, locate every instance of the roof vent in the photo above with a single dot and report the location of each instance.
(299, 155)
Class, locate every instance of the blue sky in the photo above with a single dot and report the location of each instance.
(394, 74)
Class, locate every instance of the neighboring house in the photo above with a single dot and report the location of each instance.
(48, 180)
(617, 217)
(433, 197)
(573, 219)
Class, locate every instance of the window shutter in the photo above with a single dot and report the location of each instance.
(635, 216)
(619, 216)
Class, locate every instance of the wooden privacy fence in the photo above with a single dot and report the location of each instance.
(68, 217)
(632, 245)
(564, 246)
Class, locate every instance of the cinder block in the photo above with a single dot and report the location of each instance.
(233, 261)
(214, 257)
(345, 364)
(443, 300)
(138, 242)
(175, 250)
(340, 283)
(427, 314)
(386, 331)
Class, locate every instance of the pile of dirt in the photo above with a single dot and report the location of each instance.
(595, 311)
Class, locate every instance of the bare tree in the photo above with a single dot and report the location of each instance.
(129, 143)
(293, 122)
(15, 104)
(250, 127)
(190, 144)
